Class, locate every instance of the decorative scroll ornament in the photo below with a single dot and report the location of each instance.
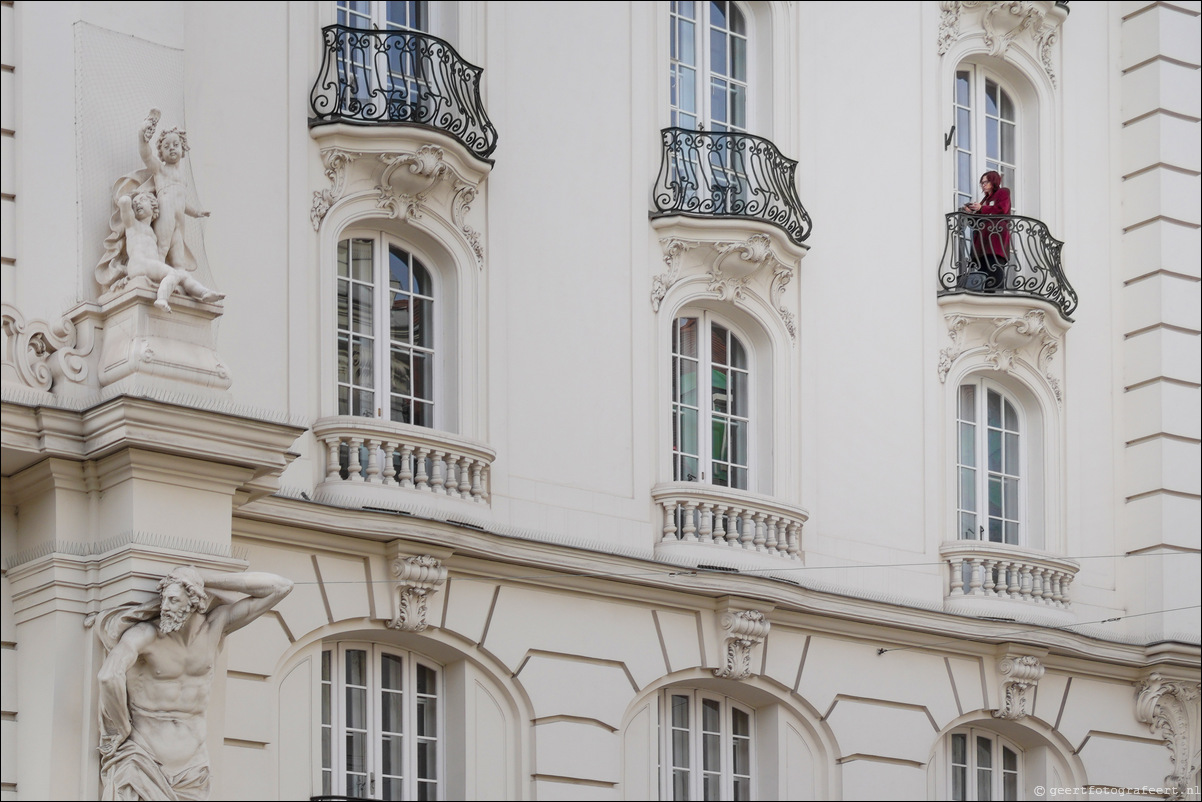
(417, 578)
(731, 270)
(745, 629)
(1021, 675)
(1001, 23)
(956, 325)
(674, 249)
(1005, 340)
(336, 161)
(1170, 708)
(403, 192)
(42, 355)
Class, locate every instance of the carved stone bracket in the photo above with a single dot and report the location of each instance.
(336, 162)
(745, 629)
(416, 579)
(1170, 708)
(1032, 336)
(1001, 24)
(45, 356)
(1020, 674)
(733, 270)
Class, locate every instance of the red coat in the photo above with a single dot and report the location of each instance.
(993, 238)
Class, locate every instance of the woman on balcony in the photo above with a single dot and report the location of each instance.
(991, 240)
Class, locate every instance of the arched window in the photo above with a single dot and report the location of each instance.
(987, 132)
(711, 402)
(381, 723)
(983, 766)
(387, 335)
(708, 748)
(384, 16)
(708, 77)
(990, 463)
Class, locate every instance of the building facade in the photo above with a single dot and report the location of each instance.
(845, 490)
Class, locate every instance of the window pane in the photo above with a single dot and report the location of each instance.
(995, 450)
(962, 91)
(968, 489)
(994, 409)
(963, 130)
(738, 393)
(680, 748)
(711, 756)
(968, 444)
(393, 755)
(711, 787)
(1011, 498)
(742, 789)
(427, 680)
(738, 58)
(995, 496)
(426, 753)
(968, 403)
(968, 526)
(680, 711)
(680, 785)
(718, 51)
(688, 431)
(361, 260)
(423, 384)
(1011, 416)
(687, 336)
(362, 311)
(401, 372)
(991, 91)
(423, 322)
(1012, 453)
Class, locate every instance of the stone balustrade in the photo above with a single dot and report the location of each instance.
(985, 570)
(735, 521)
(401, 457)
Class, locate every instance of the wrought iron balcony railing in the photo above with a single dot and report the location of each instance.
(724, 174)
(400, 77)
(993, 254)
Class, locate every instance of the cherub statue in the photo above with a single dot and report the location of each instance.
(170, 190)
(164, 180)
(142, 252)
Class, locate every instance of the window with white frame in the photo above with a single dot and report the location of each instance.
(989, 463)
(708, 76)
(987, 132)
(381, 723)
(384, 15)
(387, 338)
(983, 766)
(711, 402)
(708, 747)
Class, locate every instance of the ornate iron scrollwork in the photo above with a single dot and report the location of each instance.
(995, 254)
(400, 77)
(725, 174)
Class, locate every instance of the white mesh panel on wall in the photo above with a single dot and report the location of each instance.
(118, 79)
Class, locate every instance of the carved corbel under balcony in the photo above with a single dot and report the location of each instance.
(1170, 708)
(46, 356)
(417, 578)
(408, 173)
(336, 162)
(745, 629)
(1005, 334)
(1020, 674)
(733, 270)
(1033, 25)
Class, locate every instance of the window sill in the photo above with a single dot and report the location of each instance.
(697, 527)
(996, 580)
(425, 464)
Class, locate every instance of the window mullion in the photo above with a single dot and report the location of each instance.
(705, 398)
(383, 328)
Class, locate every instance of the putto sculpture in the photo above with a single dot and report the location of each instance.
(146, 237)
(157, 677)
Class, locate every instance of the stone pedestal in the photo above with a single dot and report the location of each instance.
(176, 349)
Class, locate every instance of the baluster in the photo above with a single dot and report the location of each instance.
(389, 463)
(373, 462)
(732, 527)
(1037, 584)
(957, 583)
(438, 475)
(794, 540)
(669, 508)
(974, 581)
(688, 524)
(333, 463)
(354, 470)
(746, 530)
(1057, 592)
(770, 534)
(406, 475)
(1025, 588)
(478, 479)
(989, 583)
(719, 525)
(465, 481)
(705, 531)
(760, 536)
(1065, 586)
(421, 480)
(1014, 584)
